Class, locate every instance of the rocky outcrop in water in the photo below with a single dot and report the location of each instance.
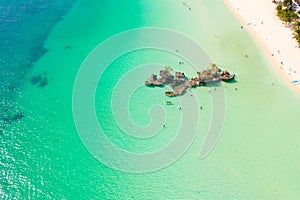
(180, 83)
(166, 78)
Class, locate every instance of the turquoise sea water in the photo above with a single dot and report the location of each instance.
(256, 156)
(24, 26)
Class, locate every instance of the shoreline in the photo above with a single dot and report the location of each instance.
(275, 39)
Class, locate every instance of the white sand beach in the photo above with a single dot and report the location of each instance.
(259, 17)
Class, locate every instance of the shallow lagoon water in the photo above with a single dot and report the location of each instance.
(255, 157)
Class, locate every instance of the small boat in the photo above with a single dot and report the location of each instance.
(170, 94)
(296, 82)
(169, 102)
(228, 77)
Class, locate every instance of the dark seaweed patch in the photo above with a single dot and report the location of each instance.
(40, 80)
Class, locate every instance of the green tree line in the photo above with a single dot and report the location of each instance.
(287, 15)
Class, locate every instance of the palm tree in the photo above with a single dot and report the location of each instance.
(296, 25)
(286, 15)
(297, 38)
(168, 68)
(296, 35)
(213, 65)
(291, 16)
(288, 4)
(278, 8)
